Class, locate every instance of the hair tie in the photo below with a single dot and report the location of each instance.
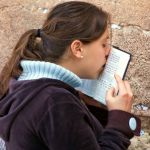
(38, 33)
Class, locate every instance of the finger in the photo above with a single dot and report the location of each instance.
(116, 89)
(110, 93)
(120, 84)
(128, 88)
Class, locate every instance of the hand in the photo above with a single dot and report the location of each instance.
(123, 101)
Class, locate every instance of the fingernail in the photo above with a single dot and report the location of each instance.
(117, 76)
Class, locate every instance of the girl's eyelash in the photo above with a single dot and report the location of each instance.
(104, 45)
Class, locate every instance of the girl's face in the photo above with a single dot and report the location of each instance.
(95, 56)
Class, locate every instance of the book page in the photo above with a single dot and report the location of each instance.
(117, 63)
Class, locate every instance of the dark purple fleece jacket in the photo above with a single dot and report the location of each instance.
(47, 114)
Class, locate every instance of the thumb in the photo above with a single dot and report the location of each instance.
(110, 93)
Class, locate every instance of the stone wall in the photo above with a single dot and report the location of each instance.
(130, 31)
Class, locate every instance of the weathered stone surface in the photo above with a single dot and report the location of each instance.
(127, 12)
(136, 41)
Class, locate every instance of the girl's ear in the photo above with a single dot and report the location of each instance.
(77, 48)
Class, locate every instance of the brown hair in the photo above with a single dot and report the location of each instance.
(65, 22)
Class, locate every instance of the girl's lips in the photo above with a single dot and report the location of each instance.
(104, 65)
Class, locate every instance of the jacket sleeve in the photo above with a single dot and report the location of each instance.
(64, 126)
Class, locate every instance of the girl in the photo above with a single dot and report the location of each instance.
(40, 108)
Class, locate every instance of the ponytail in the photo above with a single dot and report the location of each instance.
(12, 68)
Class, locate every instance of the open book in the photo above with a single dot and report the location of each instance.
(117, 63)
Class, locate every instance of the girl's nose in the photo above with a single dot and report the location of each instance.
(108, 49)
